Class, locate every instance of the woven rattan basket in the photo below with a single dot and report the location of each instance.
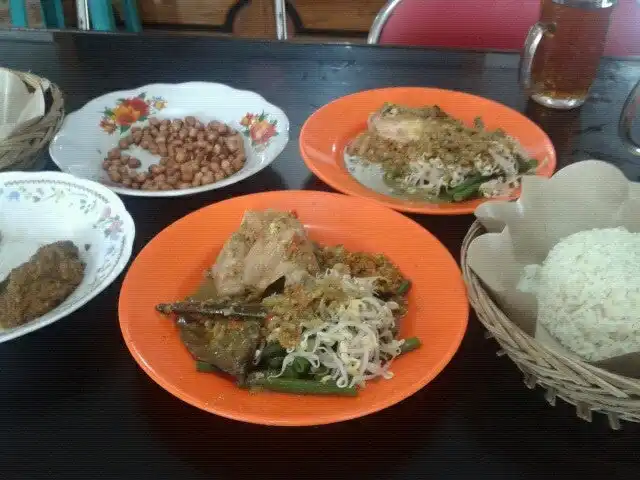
(589, 388)
(23, 148)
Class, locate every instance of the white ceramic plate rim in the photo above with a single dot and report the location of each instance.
(241, 175)
(128, 226)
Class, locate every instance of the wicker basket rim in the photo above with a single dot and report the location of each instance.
(22, 148)
(595, 369)
(588, 387)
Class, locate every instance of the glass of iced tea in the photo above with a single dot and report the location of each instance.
(562, 51)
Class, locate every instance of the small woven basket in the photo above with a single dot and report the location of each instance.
(589, 388)
(23, 148)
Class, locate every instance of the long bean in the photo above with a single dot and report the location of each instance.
(410, 344)
(289, 372)
(300, 387)
(205, 367)
(404, 287)
(528, 165)
(468, 188)
(301, 366)
(272, 350)
(475, 179)
(275, 362)
(467, 192)
(320, 372)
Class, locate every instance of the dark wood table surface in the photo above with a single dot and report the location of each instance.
(74, 404)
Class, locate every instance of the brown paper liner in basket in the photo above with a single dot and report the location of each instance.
(23, 148)
(589, 388)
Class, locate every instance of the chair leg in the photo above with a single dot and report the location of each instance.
(101, 15)
(18, 13)
(52, 13)
(82, 11)
(131, 18)
(280, 8)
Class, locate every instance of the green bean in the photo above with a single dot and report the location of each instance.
(453, 194)
(476, 179)
(300, 387)
(272, 350)
(275, 363)
(528, 165)
(410, 344)
(205, 367)
(466, 193)
(289, 372)
(468, 188)
(320, 372)
(444, 197)
(301, 366)
(404, 287)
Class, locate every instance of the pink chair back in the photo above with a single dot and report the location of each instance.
(491, 24)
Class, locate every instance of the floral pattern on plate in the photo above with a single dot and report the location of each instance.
(47, 206)
(259, 128)
(79, 147)
(129, 111)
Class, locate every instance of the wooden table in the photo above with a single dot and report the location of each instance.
(75, 404)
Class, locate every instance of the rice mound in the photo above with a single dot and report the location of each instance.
(588, 292)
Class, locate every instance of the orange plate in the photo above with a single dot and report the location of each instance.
(326, 133)
(172, 264)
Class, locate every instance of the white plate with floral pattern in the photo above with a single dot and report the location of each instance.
(43, 207)
(89, 133)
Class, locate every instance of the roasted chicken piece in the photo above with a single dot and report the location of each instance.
(268, 245)
(403, 124)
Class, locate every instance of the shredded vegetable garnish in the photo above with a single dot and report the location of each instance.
(347, 332)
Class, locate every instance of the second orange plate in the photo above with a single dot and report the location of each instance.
(326, 133)
(172, 265)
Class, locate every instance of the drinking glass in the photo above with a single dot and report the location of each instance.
(562, 51)
(627, 118)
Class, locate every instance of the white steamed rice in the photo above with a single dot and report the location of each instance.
(588, 292)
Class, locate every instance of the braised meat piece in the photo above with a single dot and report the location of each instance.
(227, 344)
(41, 284)
(404, 124)
(268, 245)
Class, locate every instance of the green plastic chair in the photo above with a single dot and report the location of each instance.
(52, 14)
(100, 14)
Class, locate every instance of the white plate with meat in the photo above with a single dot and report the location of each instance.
(171, 139)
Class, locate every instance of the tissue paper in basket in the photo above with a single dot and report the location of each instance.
(585, 195)
(18, 107)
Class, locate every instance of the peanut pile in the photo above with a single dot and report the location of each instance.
(191, 154)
